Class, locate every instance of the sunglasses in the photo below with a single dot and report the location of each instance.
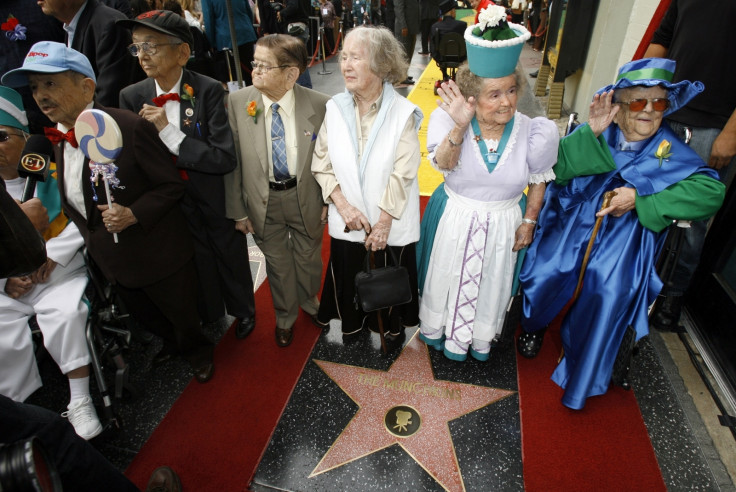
(640, 104)
(149, 49)
(5, 136)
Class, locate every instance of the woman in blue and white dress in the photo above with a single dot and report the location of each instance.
(489, 153)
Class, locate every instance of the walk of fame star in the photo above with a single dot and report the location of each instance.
(407, 406)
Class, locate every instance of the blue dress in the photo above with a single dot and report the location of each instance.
(620, 281)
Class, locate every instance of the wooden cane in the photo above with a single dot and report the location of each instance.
(607, 197)
(384, 349)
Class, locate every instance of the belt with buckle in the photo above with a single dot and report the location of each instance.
(282, 185)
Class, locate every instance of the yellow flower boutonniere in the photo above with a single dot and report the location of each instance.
(253, 111)
(663, 151)
(188, 94)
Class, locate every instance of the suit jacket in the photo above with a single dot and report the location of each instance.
(438, 29)
(247, 188)
(407, 16)
(160, 243)
(208, 151)
(106, 46)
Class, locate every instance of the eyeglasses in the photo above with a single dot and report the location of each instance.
(5, 136)
(640, 104)
(265, 68)
(149, 49)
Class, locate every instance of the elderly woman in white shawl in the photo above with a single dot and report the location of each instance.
(366, 159)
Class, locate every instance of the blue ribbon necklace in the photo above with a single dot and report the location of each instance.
(492, 157)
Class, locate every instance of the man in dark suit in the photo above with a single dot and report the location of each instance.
(152, 265)
(91, 30)
(447, 24)
(406, 27)
(198, 136)
(285, 213)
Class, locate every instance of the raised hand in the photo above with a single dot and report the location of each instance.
(601, 113)
(454, 103)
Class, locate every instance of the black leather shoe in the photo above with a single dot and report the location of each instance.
(534, 74)
(164, 355)
(284, 336)
(666, 314)
(245, 327)
(204, 372)
(529, 344)
(163, 479)
(317, 322)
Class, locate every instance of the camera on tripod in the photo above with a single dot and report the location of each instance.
(25, 467)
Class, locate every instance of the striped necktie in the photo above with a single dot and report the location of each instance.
(278, 146)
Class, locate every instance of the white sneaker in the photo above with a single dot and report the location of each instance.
(82, 415)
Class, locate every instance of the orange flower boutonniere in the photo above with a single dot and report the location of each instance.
(663, 151)
(188, 94)
(253, 111)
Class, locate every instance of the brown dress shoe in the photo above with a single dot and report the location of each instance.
(204, 372)
(284, 336)
(163, 479)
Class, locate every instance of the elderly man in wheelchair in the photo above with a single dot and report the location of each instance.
(54, 293)
(446, 42)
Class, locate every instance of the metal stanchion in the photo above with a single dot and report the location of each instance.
(320, 37)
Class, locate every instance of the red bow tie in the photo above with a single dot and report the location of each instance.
(161, 100)
(57, 136)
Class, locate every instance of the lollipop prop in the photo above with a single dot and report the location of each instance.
(101, 141)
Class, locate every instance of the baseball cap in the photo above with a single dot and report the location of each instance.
(163, 21)
(49, 57)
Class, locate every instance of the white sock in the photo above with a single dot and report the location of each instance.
(79, 388)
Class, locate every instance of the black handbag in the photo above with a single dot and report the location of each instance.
(383, 287)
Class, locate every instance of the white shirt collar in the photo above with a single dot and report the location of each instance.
(286, 103)
(176, 89)
(71, 28)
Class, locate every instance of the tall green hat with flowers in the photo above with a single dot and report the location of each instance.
(493, 44)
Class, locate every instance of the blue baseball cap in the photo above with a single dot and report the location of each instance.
(49, 57)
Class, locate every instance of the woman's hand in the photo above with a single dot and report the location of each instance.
(624, 201)
(245, 226)
(117, 218)
(454, 104)
(353, 218)
(524, 236)
(17, 287)
(378, 238)
(601, 113)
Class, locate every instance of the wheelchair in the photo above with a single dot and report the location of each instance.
(450, 54)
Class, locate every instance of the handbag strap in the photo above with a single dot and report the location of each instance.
(367, 261)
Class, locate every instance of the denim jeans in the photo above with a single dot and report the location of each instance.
(694, 237)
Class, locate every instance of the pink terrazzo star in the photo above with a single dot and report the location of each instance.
(408, 383)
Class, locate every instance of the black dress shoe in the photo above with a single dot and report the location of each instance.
(534, 74)
(245, 327)
(317, 322)
(163, 479)
(284, 336)
(529, 344)
(164, 355)
(666, 314)
(424, 52)
(204, 372)
(408, 81)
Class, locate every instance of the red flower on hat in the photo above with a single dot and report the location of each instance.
(14, 31)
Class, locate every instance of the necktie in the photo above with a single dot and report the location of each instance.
(278, 146)
(163, 98)
(56, 136)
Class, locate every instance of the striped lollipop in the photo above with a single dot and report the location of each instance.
(99, 136)
(101, 141)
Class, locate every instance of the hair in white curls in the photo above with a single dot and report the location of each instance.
(386, 54)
